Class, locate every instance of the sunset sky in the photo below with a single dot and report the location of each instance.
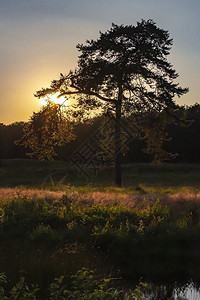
(38, 42)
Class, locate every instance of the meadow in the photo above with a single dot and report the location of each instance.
(147, 230)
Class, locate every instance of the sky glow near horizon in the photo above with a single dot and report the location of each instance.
(54, 98)
(38, 41)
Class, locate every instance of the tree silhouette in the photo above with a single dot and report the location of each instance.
(124, 71)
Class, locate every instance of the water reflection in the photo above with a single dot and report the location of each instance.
(187, 292)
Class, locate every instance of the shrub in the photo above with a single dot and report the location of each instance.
(83, 285)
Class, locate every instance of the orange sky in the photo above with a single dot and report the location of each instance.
(38, 42)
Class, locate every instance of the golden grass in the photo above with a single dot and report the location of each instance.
(140, 201)
(7, 194)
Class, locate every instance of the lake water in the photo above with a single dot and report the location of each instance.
(189, 292)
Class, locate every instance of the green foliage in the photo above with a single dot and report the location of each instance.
(57, 289)
(82, 286)
(3, 280)
(45, 234)
(126, 238)
(40, 221)
(156, 214)
(21, 291)
(138, 293)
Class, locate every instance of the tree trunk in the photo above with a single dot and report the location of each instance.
(118, 171)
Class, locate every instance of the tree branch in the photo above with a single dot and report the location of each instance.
(79, 91)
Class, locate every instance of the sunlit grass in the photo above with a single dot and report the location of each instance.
(87, 196)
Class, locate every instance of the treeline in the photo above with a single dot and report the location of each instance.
(8, 135)
(185, 140)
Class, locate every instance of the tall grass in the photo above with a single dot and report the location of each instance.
(88, 196)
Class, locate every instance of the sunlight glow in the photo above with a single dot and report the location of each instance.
(54, 99)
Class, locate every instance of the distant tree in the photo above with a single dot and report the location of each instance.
(186, 139)
(8, 135)
(125, 71)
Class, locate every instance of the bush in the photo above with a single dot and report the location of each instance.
(82, 286)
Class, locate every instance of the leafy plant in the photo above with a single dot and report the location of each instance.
(82, 286)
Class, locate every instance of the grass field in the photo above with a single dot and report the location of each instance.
(140, 178)
(175, 185)
(51, 228)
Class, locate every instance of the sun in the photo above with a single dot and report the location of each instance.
(61, 100)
